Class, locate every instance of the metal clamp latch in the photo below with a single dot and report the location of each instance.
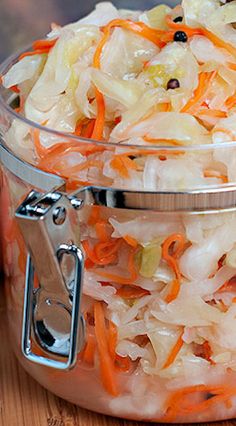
(50, 226)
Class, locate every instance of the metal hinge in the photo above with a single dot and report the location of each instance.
(54, 275)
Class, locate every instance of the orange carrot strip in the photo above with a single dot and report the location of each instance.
(100, 120)
(201, 31)
(174, 291)
(85, 165)
(205, 80)
(127, 292)
(101, 230)
(174, 352)
(231, 102)
(94, 215)
(162, 141)
(171, 260)
(120, 363)
(141, 29)
(215, 174)
(131, 241)
(99, 49)
(232, 66)
(118, 278)
(41, 151)
(44, 44)
(112, 339)
(15, 88)
(89, 351)
(34, 52)
(107, 249)
(212, 113)
(40, 47)
(177, 401)
(78, 129)
(226, 131)
(106, 365)
(91, 254)
(88, 131)
(175, 238)
(122, 164)
(219, 42)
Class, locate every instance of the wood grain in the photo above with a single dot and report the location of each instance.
(25, 403)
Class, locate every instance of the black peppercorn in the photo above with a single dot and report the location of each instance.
(178, 19)
(181, 36)
(173, 83)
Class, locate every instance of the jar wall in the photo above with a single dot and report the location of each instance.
(162, 289)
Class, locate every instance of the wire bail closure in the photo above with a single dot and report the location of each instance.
(52, 307)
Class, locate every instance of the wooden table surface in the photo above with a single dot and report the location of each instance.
(23, 402)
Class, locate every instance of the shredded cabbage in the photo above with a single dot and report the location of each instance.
(154, 85)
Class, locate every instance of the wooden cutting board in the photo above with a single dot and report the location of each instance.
(25, 403)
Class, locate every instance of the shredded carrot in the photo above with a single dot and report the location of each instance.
(118, 278)
(203, 351)
(219, 42)
(178, 401)
(231, 102)
(14, 88)
(120, 363)
(78, 128)
(174, 291)
(44, 44)
(34, 52)
(100, 119)
(228, 404)
(131, 241)
(108, 249)
(122, 164)
(226, 131)
(139, 28)
(88, 130)
(83, 166)
(231, 66)
(106, 364)
(89, 351)
(41, 151)
(212, 113)
(171, 258)
(162, 141)
(234, 300)
(127, 292)
(39, 47)
(198, 31)
(215, 174)
(174, 352)
(94, 215)
(101, 256)
(101, 230)
(112, 339)
(200, 94)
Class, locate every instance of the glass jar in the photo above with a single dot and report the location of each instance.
(130, 297)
